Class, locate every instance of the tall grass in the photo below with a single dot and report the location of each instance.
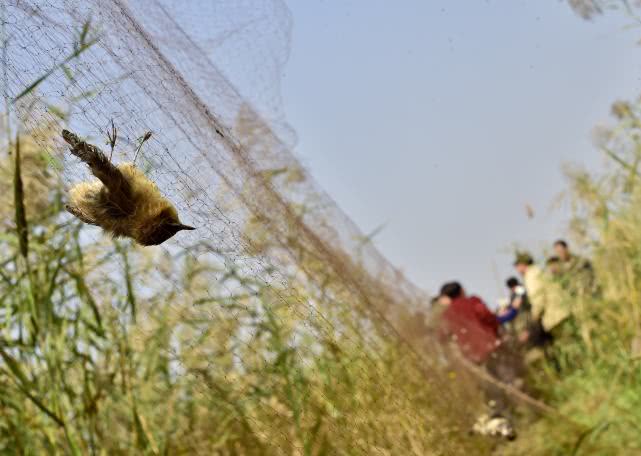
(599, 382)
(107, 348)
(111, 349)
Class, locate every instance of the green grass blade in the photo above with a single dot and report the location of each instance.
(34, 85)
(14, 367)
(80, 47)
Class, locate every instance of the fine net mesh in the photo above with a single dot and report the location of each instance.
(273, 328)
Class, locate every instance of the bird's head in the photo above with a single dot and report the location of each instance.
(162, 227)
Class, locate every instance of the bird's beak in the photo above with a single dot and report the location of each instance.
(185, 227)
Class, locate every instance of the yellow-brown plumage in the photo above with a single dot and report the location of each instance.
(123, 201)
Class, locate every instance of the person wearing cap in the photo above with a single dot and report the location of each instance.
(547, 304)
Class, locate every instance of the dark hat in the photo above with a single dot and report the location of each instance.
(523, 258)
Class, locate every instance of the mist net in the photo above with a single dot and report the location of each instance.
(275, 327)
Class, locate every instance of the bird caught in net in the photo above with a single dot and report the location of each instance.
(123, 201)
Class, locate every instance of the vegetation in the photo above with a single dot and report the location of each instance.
(108, 348)
(597, 386)
(98, 358)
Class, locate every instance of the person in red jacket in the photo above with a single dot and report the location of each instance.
(469, 322)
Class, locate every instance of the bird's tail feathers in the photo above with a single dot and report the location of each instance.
(71, 138)
(88, 153)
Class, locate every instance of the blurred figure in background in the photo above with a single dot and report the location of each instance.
(515, 319)
(578, 279)
(469, 322)
(549, 309)
(556, 314)
(563, 331)
(534, 337)
(475, 329)
(576, 273)
(516, 314)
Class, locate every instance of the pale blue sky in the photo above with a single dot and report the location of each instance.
(444, 118)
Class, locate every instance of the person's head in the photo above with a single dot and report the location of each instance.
(450, 291)
(512, 283)
(523, 261)
(553, 265)
(562, 250)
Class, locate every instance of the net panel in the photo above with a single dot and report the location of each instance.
(272, 253)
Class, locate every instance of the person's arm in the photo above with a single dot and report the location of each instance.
(507, 316)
